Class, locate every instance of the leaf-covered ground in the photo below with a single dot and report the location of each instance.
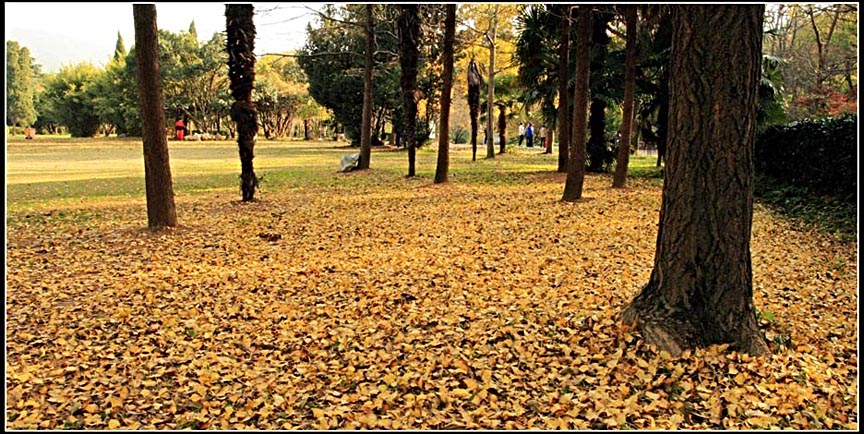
(383, 302)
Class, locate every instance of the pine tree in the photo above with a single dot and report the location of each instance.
(120, 48)
(193, 31)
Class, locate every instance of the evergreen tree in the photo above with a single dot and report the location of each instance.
(119, 48)
(193, 31)
(20, 88)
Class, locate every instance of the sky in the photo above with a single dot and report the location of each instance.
(59, 34)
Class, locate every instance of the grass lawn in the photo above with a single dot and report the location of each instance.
(368, 300)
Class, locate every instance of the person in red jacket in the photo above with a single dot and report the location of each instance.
(179, 128)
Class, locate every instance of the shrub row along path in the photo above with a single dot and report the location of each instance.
(383, 302)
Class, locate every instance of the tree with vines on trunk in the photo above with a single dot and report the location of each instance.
(240, 30)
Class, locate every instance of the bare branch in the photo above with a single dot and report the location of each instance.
(324, 16)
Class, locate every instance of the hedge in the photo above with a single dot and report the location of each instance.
(819, 155)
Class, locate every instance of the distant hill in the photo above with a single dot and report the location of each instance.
(52, 50)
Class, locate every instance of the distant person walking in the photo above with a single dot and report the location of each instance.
(542, 136)
(521, 133)
(179, 128)
(529, 135)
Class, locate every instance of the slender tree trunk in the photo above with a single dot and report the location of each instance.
(599, 157)
(444, 124)
(240, 32)
(700, 291)
(490, 99)
(576, 163)
(409, 52)
(502, 128)
(596, 147)
(161, 211)
(474, 83)
(366, 123)
(563, 94)
(306, 135)
(629, 88)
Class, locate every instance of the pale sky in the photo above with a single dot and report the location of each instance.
(68, 33)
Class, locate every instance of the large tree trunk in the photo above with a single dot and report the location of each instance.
(701, 291)
(409, 52)
(563, 96)
(576, 163)
(366, 122)
(444, 124)
(161, 211)
(475, 80)
(240, 30)
(627, 109)
(665, 38)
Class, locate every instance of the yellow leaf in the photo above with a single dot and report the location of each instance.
(461, 393)
(462, 366)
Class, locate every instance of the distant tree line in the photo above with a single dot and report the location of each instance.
(86, 100)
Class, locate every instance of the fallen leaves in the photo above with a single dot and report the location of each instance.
(388, 304)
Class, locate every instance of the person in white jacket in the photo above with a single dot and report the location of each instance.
(521, 133)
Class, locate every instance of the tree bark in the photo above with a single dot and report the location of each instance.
(240, 32)
(629, 87)
(576, 163)
(502, 128)
(474, 83)
(366, 122)
(663, 110)
(596, 147)
(700, 291)
(563, 96)
(490, 99)
(409, 52)
(161, 211)
(443, 165)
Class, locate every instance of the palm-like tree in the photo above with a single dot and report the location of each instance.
(538, 60)
(240, 30)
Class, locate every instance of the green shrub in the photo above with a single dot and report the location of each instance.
(459, 135)
(819, 155)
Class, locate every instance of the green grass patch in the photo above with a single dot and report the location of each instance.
(56, 170)
(806, 209)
